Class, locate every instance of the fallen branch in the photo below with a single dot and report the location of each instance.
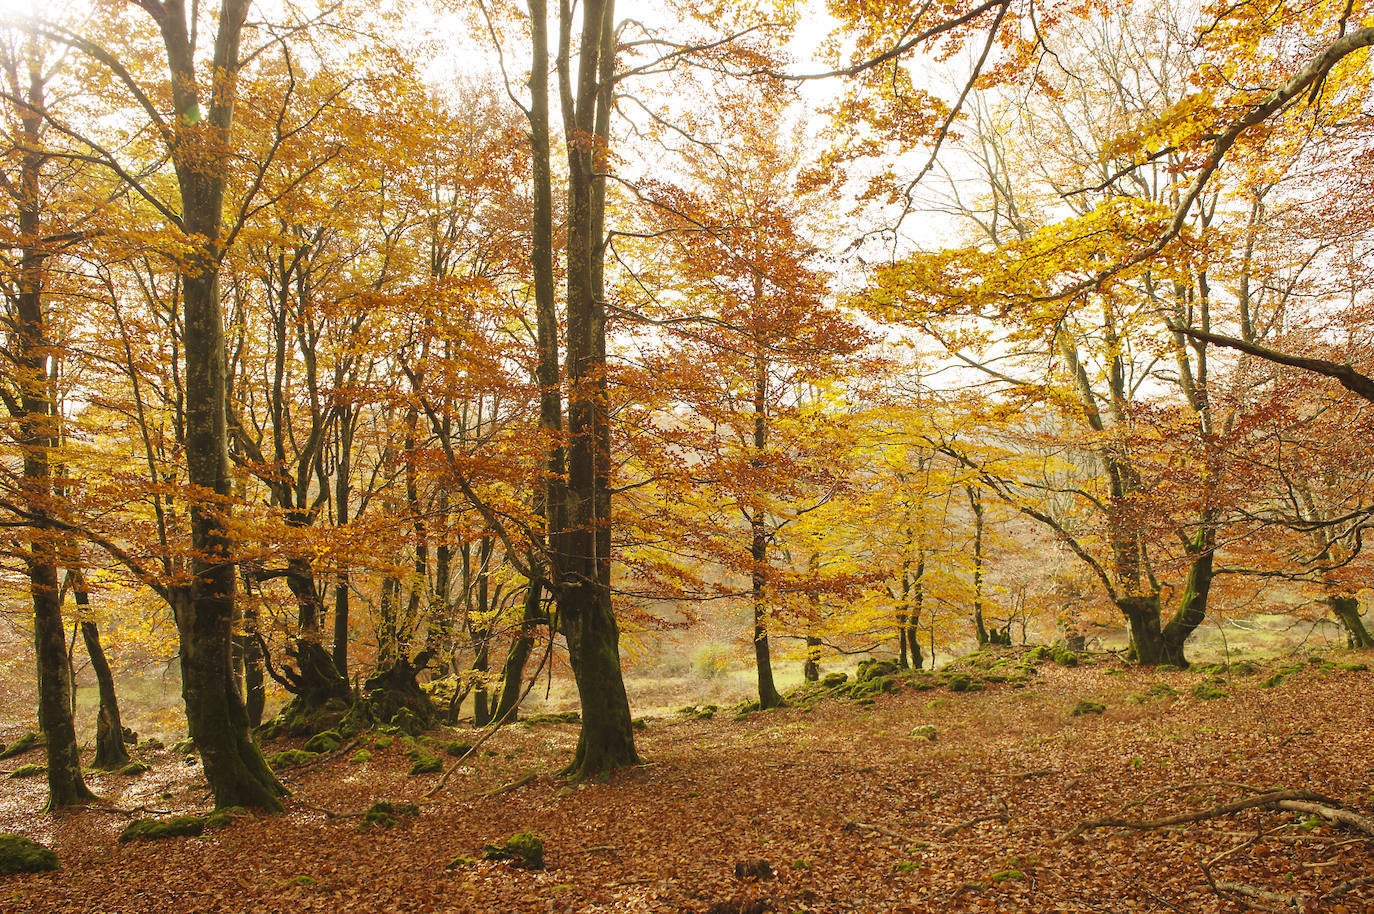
(1251, 894)
(1331, 814)
(1271, 800)
(1002, 815)
(1348, 886)
(505, 788)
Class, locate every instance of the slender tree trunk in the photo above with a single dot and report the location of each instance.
(110, 750)
(513, 671)
(342, 492)
(37, 433)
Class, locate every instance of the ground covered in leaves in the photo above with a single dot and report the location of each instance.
(928, 794)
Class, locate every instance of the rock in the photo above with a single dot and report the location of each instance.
(21, 855)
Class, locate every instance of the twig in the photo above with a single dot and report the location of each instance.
(1002, 815)
(1331, 814)
(1348, 886)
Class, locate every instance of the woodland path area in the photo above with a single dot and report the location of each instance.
(852, 810)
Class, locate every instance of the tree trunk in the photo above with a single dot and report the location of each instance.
(1147, 636)
(583, 592)
(1192, 606)
(811, 670)
(1346, 609)
(37, 434)
(513, 671)
(110, 751)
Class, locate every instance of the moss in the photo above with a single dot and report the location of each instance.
(291, 758)
(28, 771)
(925, 731)
(1353, 667)
(407, 721)
(1208, 689)
(523, 850)
(1007, 875)
(383, 742)
(560, 717)
(21, 855)
(833, 680)
(135, 768)
(873, 685)
(383, 814)
(907, 866)
(460, 862)
(963, 682)
(1088, 707)
(223, 818)
(923, 682)
(362, 755)
(422, 761)
(21, 745)
(745, 708)
(324, 741)
(1064, 657)
(155, 829)
(875, 669)
(183, 747)
(1273, 680)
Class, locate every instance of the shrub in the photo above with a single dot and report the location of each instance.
(711, 661)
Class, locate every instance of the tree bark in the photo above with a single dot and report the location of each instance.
(205, 612)
(1346, 609)
(38, 434)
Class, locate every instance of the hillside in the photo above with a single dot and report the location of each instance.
(852, 807)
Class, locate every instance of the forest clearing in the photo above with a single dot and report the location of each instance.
(851, 803)
(713, 456)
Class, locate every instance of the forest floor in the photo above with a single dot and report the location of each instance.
(852, 810)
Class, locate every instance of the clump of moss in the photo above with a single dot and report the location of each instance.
(21, 745)
(362, 755)
(135, 768)
(223, 818)
(523, 850)
(873, 685)
(384, 814)
(422, 761)
(1007, 875)
(833, 680)
(154, 829)
(28, 771)
(291, 758)
(460, 862)
(1208, 689)
(1088, 707)
(875, 669)
(458, 748)
(1273, 680)
(324, 741)
(557, 717)
(925, 731)
(1353, 667)
(1156, 691)
(407, 721)
(383, 742)
(1063, 656)
(963, 682)
(21, 855)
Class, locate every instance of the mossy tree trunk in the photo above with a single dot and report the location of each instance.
(110, 751)
(579, 511)
(199, 144)
(1346, 609)
(513, 670)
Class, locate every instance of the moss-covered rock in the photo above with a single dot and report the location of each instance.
(1088, 707)
(1208, 690)
(554, 717)
(457, 748)
(223, 818)
(422, 761)
(875, 669)
(873, 685)
(1064, 657)
(384, 814)
(135, 768)
(523, 850)
(361, 756)
(963, 682)
(155, 829)
(833, 680)
(22, 855)
(291, 758)
(925, 731)
(324, 741)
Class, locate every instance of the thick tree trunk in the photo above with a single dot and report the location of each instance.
(1192, 606)
(583, 595)
(1147, 635)
(811, 670)
(1346, 609)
